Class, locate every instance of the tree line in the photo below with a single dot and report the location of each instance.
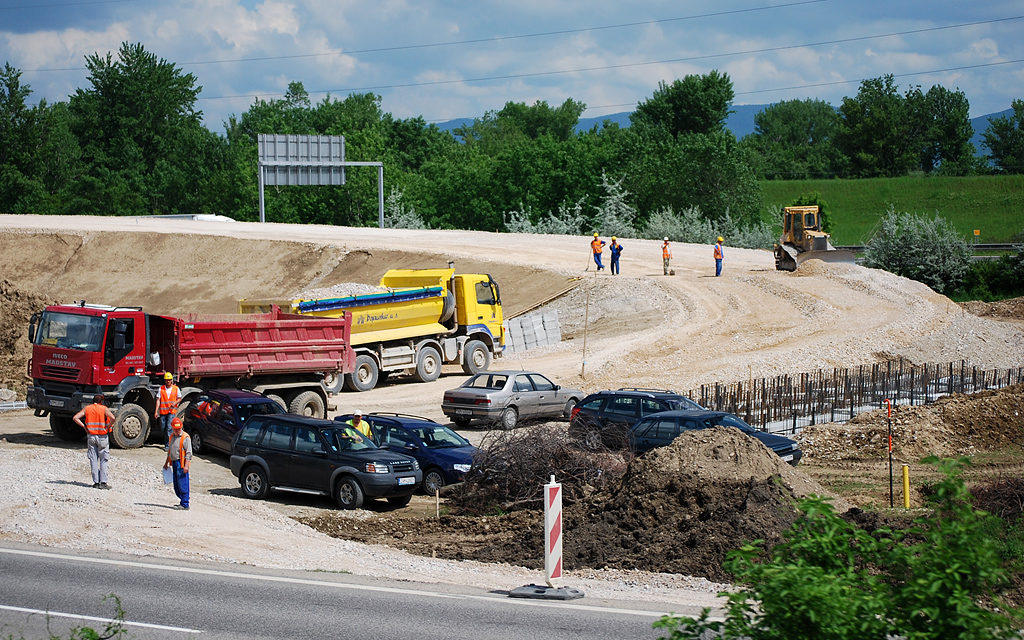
(132, 142)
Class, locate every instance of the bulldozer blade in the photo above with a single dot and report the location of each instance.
(837, 255)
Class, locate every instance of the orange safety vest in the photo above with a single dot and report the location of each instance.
(181, 447)
(666, 251)
(96, 420)
(596, 245)
(168, 401)
(718, 252)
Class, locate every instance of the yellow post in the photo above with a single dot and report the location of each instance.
(906, 486)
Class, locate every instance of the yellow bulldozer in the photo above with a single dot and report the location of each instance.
(802, 239)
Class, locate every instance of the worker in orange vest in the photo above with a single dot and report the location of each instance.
(666, 255)
(179, 459)
(718, 257)
(167, 404)
(98, 419)
(597, 246)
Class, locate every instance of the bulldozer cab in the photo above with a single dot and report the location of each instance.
(798, 220)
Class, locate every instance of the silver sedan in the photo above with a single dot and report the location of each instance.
(506, 397)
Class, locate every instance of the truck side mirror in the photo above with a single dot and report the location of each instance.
(32, 328)
(118, 341)
(120, 326)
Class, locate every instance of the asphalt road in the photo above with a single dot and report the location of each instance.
(161, 599)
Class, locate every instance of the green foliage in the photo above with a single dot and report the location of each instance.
(946, 132)
(814, 198)
(398, 216)
(991, 280)
(876, 130)
(695, 104)
(690, 226)
(928, 250)
(1005, 140)
(615, 216)
(830, 580)
(795, 139)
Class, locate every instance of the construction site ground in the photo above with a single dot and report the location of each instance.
(659, 536)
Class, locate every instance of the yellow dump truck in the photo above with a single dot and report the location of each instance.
(422, 319)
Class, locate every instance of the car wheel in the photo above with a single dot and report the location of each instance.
(428, 365)
(570, 404)
(433, 480)
(278, 399)
(309, 404)
(509, 418)
(254, 482)
(197, 442)
(475, 357)
(349, 494)
(131, 427)
(333, 382)
(65, 428)
(461, 423)
(365, 375)
(400, 501)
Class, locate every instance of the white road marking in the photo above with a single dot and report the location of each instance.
(127, 623)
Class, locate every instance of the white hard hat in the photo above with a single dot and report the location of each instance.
(357, 412)
(666, 238)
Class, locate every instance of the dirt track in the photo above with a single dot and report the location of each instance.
(642, 329)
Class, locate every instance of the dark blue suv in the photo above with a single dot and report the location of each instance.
(660, 429)
(214, 417)
(444, 455)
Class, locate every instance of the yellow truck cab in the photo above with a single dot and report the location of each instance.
(420, 320)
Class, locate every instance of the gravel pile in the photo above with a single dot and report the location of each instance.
(338, 291)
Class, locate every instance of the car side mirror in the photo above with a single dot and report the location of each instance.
(319, 452)
(229, 421)
(384, 445)
(411, 446)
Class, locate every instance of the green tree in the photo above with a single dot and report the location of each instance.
(947, 132)
(795, 139)
(814, 198)
(695, 104)
(19, 187)
(928, 250)
(1005, 140)
(877, 130)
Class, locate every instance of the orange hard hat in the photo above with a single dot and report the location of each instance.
(176, 423)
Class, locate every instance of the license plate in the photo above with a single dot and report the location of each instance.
(402, 481)
(463, 412)
(56, 403)
(787, 458)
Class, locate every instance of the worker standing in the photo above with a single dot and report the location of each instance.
(666, 254)
(179, 459)
(718, 257)
(616, 251)
(359, 424)
(597, 246)
(98, 419)
(167, 404)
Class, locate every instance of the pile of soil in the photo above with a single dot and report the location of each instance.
(1012, 308)
(678, 509)
(956, 425)
(16, 308)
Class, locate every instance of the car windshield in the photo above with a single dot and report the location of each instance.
(70, 331)
(684, 404)
(246, 409)
(486, 381)
(439, 437)
(732, 421)
(347, 439)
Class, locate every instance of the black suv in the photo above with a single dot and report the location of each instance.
(309, 455)
(604, 418)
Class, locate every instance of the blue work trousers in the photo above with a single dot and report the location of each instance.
(165, 423)
(180, 482)
(615, 264)
(718, 266)
(597, 261)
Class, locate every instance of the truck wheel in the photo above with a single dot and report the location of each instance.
(131, 427)
(65, 428)
(254, 482)
(349, 494)
(428, 365)
(278, 399)
(509, 418)
(333, 382)
(364, 377)
(475, 357)
(308, 403)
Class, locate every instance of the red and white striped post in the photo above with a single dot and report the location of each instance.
(553, 533)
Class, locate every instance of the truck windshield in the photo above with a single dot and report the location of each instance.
(70, 331)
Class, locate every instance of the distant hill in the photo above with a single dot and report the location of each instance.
(740, 122)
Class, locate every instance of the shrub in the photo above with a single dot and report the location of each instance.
(928, 250)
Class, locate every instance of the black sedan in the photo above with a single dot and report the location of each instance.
(214, 417)
(660, 429)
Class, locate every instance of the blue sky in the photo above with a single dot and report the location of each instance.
(445, 60)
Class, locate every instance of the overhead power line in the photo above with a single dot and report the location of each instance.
(62, 4)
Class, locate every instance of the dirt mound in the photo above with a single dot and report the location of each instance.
(678, 509)
(16, 308)
(956, 425)
(1011, 308)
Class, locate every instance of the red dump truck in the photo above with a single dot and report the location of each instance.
(81, 350)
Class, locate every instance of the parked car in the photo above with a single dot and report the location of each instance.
(287, 452)
(508, 397)
(660, 429)
(213, 419)
(604, 418)
(444, 456)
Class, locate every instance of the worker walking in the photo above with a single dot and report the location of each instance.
(97, 425)
(359, 424)
(616, 250)
(718, 257)
(179, 459)
(666, 254)
(597, 246)
(167, 404)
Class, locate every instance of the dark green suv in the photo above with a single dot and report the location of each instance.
(313, 456)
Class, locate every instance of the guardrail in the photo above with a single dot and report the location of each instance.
(1009, 246)
(11, 406)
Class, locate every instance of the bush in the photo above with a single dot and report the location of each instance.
(990, 280)
(690, 225)
(831, 580)
(928, 250)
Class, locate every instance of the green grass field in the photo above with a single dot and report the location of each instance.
(992, 204)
